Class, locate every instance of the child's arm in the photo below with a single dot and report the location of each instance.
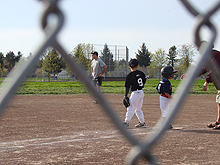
(126, 91)
(205, 85)
(168, 95)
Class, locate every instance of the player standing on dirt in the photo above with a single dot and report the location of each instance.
(98, 68)
(134, 80)
(215, 57)
(164, 88)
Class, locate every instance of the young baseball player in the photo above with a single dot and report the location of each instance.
(164, 88)
(135, 81)
(98, 68)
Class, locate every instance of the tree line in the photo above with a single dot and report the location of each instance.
(51, 62)
(8, 62)
(180, 58)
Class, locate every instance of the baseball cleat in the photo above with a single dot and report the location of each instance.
(126, 125)
(95, 101)
(141, 125)
(170, 127)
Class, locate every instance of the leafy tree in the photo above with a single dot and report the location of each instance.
(186, 52)
(17, 58)
(82, 55)
(1, 71)
(63, 63)
(122, 63)
(143, 56)
(172, 55)
(1, 60)
(107, 58)
(11, 59)
(158, 61)
(38, 63)
(51, 62)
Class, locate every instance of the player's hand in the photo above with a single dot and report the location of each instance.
(100, 75)
(205, 85)
(181, 78)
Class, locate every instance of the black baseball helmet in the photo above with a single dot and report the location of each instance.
(167, 71)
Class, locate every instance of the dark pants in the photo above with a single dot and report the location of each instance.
(97, 81)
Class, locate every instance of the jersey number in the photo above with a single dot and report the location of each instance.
(140, 82)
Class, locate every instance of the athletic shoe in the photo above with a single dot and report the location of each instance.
(126, 125)
(170, 127)
(139, 125)
(95, 101)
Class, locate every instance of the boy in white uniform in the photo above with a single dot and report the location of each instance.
(164, 88)
(135, 80)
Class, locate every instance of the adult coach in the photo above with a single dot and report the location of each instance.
(215, 57)
(98, 68)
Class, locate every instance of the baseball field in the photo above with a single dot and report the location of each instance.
(70, 129)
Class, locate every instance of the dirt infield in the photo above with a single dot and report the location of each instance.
(73, 130)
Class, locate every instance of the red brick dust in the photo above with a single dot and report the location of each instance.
(73, 130)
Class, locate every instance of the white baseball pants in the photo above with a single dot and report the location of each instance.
(136, 101)
(164, 102)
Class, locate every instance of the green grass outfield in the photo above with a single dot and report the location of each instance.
(116, 87)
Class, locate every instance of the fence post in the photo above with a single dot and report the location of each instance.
(127, 55)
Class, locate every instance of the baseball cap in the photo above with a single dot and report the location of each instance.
(96, 53)
(133, 63)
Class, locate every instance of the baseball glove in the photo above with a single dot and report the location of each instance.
(126, 102)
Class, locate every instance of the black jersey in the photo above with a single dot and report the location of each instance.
(135, 80)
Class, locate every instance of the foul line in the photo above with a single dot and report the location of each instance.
(85, 136)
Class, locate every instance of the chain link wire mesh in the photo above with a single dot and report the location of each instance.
(119, 54)
(141, 148)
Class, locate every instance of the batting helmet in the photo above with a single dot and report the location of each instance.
(167, 71)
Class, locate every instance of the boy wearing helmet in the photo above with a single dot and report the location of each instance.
(164, 88)
(135, 81)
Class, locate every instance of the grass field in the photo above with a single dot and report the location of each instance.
(116, 87)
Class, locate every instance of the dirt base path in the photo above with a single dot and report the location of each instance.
(73, 130)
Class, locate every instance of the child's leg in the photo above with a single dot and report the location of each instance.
(218, 118)
(164, 102)
(218, 106)
(139, 113)
(130, 109)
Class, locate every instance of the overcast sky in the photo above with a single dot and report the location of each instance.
(157, 23)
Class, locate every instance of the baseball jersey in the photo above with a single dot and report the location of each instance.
(97, 66)
(164, 86)
(135, 80)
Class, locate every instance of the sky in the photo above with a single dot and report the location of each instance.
(157, 23)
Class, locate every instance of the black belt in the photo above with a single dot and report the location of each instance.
(136, 90)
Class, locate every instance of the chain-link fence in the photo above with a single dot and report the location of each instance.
(115, 57)
(141, 148)
(116, 60)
